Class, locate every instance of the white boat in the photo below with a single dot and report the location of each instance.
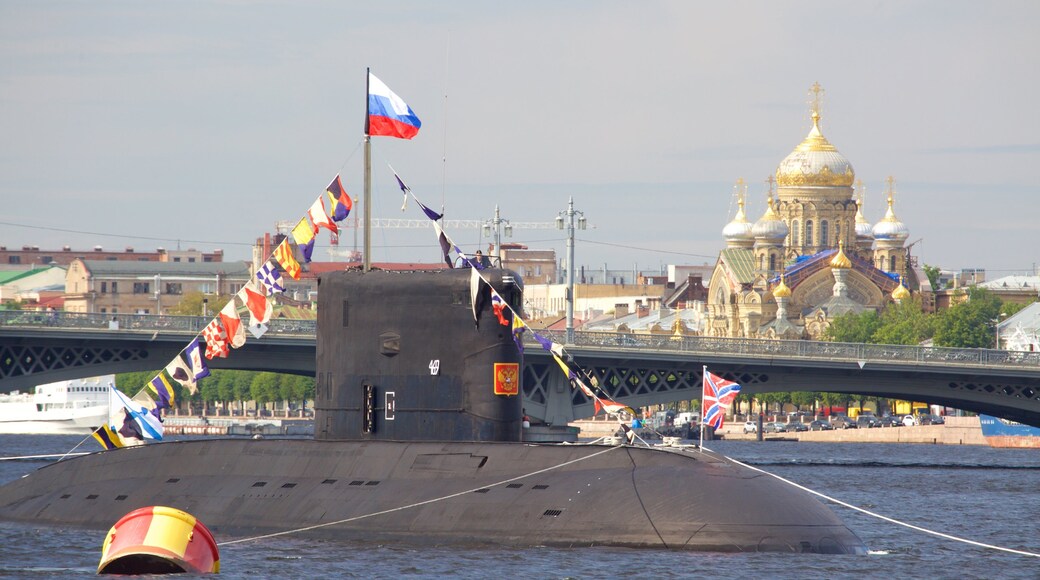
(67, 407)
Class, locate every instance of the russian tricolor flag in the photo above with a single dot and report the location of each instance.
(388, 115)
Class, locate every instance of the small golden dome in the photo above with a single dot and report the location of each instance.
(900, 293)
(781, 290)
(840, 260)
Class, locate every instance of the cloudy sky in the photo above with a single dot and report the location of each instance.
(202, 124)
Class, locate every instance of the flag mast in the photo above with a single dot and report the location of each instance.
(367, 247)
(704, 378)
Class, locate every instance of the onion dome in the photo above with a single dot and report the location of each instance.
(770, 227)
(840, 261)
(815, 162)
(781, 290)
(900, 293)
(863, 230)
(890, 228)
(738, 230)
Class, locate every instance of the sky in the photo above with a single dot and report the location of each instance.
(202, 124)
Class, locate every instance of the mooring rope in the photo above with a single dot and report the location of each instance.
(886, 518)
(416, 504)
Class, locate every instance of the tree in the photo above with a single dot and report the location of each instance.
(969, 324)
(191, 304)
(904, 323)
(933, 276)
(853, 327)
(804, 399)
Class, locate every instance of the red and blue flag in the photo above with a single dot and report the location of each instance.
(718, 396)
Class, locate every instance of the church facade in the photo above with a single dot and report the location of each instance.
(812, 255)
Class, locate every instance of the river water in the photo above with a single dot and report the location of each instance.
(986, 495)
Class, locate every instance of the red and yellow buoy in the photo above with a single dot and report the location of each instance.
(159, 540)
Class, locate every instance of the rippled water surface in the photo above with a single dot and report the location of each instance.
(986, 495)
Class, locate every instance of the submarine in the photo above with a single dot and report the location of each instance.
(419, 440)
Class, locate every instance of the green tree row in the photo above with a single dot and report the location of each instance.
(224, 389)
(969, 324)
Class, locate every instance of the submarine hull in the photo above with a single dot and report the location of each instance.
(440, 493)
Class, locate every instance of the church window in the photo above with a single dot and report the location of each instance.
(837, 230)
(892, 263)
(824, 231)
(808, 233)
(794, 233)
(772, 262)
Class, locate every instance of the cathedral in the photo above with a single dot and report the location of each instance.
(812, 255)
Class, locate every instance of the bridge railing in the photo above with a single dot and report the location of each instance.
(809, 349)
(139, 322)
(664, 342)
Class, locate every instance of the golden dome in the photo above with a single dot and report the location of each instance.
(781, 290)
(840, 261)
(815, 162)
(900, 293)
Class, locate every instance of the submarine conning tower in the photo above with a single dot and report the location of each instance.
(401, 358)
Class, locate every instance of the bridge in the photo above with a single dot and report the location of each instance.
(638, 370)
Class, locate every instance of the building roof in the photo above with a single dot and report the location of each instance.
(8, 276)
(741, 264)
(1008, 283)
(125, 268)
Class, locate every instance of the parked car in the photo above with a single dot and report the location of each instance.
(750, 427)
(928, 419)
(819, 425)
(842, 422)
(890, 421)
(797, 426)
(774, 427)
(909, 421)
(866, 422)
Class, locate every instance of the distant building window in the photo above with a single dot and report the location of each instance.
(892, 263)
(176, 258)
(174, 288)
(104, 289)
(115, 287)
(207, 258)
(794, 233)
(191, 260)
(14, 259)
(112, 258)
(808, 233)
(825, 241)
(46, 259)
(772, 262)
(142, 288)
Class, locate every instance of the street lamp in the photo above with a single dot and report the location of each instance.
(562, 219)
(496, 225)
(996, 327)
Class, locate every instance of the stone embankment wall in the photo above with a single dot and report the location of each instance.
(956, 431)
